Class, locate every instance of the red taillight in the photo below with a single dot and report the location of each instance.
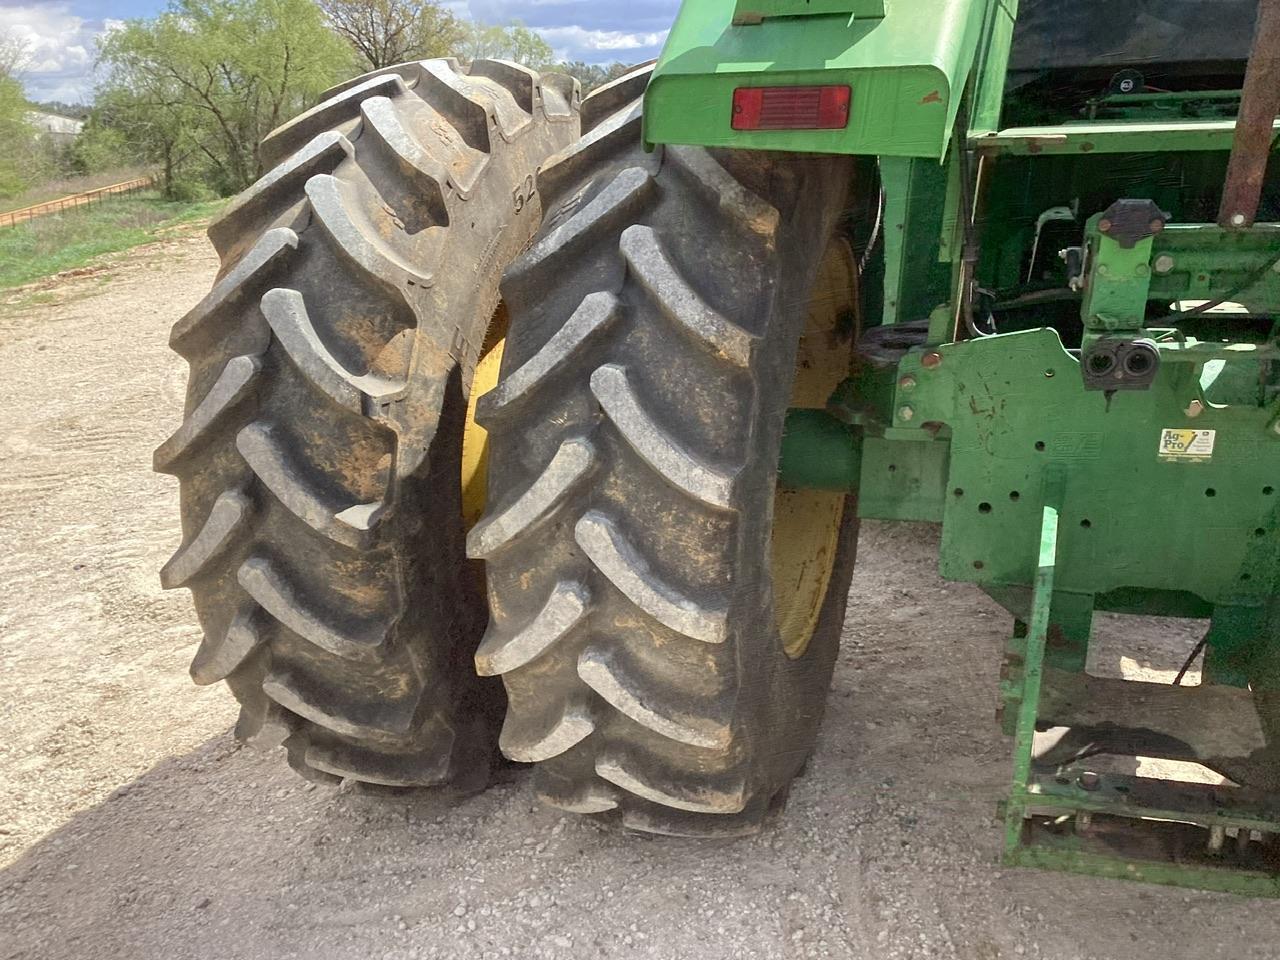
(791, 108)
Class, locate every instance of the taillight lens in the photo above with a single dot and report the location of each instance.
(791, 108)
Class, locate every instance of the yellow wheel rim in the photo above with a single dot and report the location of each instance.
(806, 523)
(475, 438)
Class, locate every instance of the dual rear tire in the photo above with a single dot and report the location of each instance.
(663, 618)
(320, 455)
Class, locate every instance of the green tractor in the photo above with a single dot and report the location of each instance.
(526, 422)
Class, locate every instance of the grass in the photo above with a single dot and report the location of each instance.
(49, 245)
(66, 186)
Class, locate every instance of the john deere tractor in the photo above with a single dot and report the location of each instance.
(526, 422)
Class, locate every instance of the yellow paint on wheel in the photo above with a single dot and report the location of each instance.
(806, 523)
(475, 439)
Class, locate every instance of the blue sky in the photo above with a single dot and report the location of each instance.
(60, 33)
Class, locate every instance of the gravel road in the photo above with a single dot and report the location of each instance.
(132, 826)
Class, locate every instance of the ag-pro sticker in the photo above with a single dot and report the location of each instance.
(1178, 443)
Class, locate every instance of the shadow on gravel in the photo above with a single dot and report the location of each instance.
(224, 852)
(887, 850)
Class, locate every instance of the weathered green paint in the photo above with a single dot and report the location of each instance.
(907, 72)
(1108, 137)
(1237, 638)
(1071, 615)
(1060, 856)
(993, 62)
(1119, 286)
(819, 452)
(1020, 682)
(1037, 629)
(1206, 261)
(902, 481)
(1161, 106)
(893, 480)
(753, 11)
(1064, 798)
(1057, 500)
(915, 279)
(1046, 791)
(1167, 98)
(1016, 409)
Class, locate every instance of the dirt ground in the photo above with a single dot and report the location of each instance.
(132, 826)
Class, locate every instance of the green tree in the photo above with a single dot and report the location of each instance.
(387, 32)
(592, 75)
(76, 111)
(103, 143)
(201, 84)
(17, 135)
(514, 41)
(149, 123)
(15, 54)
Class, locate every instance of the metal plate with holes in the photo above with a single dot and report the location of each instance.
(1131, 518)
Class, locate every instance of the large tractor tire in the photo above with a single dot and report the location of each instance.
(320, 458)
(664, 617)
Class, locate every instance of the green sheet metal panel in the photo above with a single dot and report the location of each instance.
(1116, 136)
(753, 11)
(1136, 512)
(902, 481)
(906, 70)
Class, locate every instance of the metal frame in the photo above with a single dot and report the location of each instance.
(1058, 820)
(1059, 493)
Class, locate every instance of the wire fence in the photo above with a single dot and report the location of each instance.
(14, 217)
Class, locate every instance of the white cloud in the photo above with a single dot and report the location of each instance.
(62, 44)
(587, 30)
(576, 41)
(61, 48)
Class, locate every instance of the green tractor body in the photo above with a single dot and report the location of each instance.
(526, 421)
(906, 71)
(1083, 384)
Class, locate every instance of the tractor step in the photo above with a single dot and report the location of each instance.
(1063, 813)
(1158, 831)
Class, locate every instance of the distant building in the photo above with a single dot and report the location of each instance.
(61, 130)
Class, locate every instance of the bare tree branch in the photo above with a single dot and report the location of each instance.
(387, 32)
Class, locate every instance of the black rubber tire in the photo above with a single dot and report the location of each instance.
(634, 440)
(319, 457)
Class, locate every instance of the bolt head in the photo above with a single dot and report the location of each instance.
(1195, 408)
(906, 383)
(1156, 225)
(1104, 225)
(1237, 219)
(1089, 780)
(931, 360)
(1164, 263)
(905, 413)
(1275, 427)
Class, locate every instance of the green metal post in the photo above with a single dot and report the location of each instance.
(993, 64)
(1033, 663)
